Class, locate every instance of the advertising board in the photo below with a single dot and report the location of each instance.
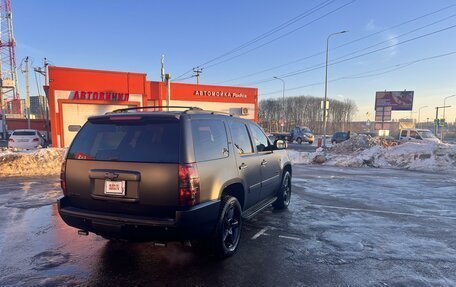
(397, 100)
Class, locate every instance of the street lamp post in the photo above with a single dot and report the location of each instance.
(419, 112)
(444, 105)
(326, 86)
(283, 100)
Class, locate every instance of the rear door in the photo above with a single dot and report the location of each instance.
(77, 114)
(247, 161)
(125, 164)
(269, 163)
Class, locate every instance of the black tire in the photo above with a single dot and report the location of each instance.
(311, 142)
(299, 140)
(228, 231)
(333, 142)
(284, 192)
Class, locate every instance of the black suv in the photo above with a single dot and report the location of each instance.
(172, 176)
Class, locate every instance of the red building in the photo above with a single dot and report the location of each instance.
(76, 94)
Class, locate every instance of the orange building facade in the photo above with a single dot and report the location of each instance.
(76, 94)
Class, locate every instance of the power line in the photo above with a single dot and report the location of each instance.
(342, 45)
(265, 35)
(380, 49)
(368, 74)
(319, 66)
(272, 31)
(281, 36)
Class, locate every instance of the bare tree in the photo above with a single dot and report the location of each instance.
(306, 111)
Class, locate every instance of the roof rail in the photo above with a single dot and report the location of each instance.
(155, 107)
(187, 109)
(213, 112)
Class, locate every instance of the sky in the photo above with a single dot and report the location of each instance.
(390, 45)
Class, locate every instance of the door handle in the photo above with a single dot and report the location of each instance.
(264, 162)
(243, 166)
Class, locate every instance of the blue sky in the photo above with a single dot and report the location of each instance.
(132, 35)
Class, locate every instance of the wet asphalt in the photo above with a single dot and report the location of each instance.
(344, 227)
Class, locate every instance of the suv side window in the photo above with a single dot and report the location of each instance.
(209, 139)
(413, 134)
(404, 133)
(241, 137)
(260, 139)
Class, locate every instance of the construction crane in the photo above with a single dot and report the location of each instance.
(8, 71)
(8, 74)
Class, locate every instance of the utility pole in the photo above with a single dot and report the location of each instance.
(27, 89)
(197, 72)
(45, 72)
(162, 72)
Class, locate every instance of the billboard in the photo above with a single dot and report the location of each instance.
(397, 100)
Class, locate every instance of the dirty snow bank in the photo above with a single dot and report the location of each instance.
(46, 161)
(363, 150)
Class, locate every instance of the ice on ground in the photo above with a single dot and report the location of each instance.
(46, 161)
(49, 259)
(362, 150)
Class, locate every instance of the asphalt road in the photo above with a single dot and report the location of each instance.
(344, 227)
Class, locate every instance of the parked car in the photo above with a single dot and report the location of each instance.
(298, 134)
(418, 134)
(26, 139)
(165, 176)
(339, 137)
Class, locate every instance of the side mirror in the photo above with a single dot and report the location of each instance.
(280, 144)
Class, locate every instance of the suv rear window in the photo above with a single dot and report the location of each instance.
(24, 133)
(153, 140)
(209, 139)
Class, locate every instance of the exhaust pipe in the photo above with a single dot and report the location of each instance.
(83, 232)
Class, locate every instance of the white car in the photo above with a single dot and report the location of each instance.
(26, 139)
(418, 134)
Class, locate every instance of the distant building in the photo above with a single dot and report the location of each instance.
(37, 107)
(13, 107)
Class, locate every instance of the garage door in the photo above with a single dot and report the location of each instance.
(77, 115)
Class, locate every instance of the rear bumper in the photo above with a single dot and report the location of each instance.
(23, 145)
(196, 222)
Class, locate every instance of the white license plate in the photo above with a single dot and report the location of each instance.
(23, 140)
(114, 187)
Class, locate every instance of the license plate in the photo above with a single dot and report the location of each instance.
(23, 140)
(114, 187)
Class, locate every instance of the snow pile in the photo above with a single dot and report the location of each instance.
(300, 157)
(364, 151)
(31, 163)
(361, 142)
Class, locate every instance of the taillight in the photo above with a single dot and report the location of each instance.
(63, 178)
(35, 139)
(10, 140)
(189, 185)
